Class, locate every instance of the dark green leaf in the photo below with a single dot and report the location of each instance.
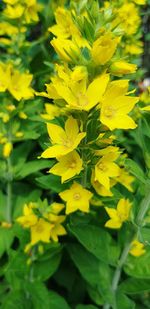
(95, 240)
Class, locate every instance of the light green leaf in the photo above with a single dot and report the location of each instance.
(135, 286)
(6, 239)
(123, 302)
(139, 267)
(32, 167)
(135, 170)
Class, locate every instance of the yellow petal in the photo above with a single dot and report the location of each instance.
(96, 89)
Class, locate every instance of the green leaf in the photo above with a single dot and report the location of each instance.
(86, 307)
(86, 263)
(6, 239)
(16, 269)
(16, 299)
(57, 301)
(23, 198)
(32, 167)
(134, 169)
(135, 286)
(123, 302)
(93, 271)
(95, 295)
(144, 235)
(51, 182)
(38, 294)
(95, 240)
(46, 266)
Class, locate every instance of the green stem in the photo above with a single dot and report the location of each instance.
(117, 274)
(9, 192)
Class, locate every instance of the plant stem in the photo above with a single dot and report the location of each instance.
(9, 192)
(117, 274)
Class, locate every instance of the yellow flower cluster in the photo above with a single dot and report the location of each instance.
(17, 83)
(83, 87)
(45, 225)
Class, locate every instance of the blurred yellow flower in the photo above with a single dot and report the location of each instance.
(29, 218)
(119, 215)
(41, 231)
(137, 248)
(122, 67)
(7, 149)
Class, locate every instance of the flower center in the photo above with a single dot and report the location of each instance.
(39, 228)
(72, 164)
(102, 167)
(67, 143)
(109, 112)
(76, 196)
(82, 99)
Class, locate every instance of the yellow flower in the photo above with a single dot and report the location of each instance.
(99, 188)
(125, 179)
(31, 11)
(29, 218)
(122, 67)
(135, 48)
(68, 166)
(104, 48)
(106, 169)
(12, 2)
(137, 248)
(64, 141)
(76, 198)
(19, 85)
(4, 76)
(78, 95)
(52, 111)
(7, 149)
(19, 134)
(115, 106)
(8, 29)
(57, 228)
(56, 208)
(128, 18)
(41, 231)
(119, 215)
(14, 12)
(22, 115)
(67, 50)
(140, 2)
(66, 28)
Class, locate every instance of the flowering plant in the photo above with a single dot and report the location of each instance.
(75, 157)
